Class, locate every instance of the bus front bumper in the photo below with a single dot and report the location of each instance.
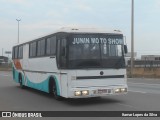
(84, 92)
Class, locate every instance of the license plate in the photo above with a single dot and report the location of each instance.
(101, 91)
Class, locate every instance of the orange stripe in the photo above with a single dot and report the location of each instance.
(17, 64)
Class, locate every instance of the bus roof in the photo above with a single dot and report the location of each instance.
(87, 30)
(75, 30)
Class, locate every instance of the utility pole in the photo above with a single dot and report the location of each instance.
(18, 20)
(132, 37)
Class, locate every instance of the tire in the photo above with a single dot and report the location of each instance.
(53, 90)
(20, 81)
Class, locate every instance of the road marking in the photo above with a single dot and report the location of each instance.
(137, 91)
(127, 105)
(142, 83)
(5, 75)
(145, 92)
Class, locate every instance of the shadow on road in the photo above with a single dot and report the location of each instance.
(91, 101)
(76, 101)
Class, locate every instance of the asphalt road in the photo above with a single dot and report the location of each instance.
(143, 95)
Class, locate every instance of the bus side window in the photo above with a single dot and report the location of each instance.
(32, 49)
(13, 52)
(51, 46)
(16, 52)
(48, 46)
(41, 48)
(20, 52)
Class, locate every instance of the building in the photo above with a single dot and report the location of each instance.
(128, 57)
(150, 57)
(3, 59)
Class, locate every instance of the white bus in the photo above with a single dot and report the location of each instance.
(73, 63)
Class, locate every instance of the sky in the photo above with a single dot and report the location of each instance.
(40, 17)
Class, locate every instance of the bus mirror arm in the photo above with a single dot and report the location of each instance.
(125, 49)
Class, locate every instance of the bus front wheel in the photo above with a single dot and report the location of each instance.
(53, 90)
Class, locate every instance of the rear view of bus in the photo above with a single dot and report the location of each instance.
(73, 63)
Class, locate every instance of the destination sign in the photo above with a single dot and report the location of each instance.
(111, 41)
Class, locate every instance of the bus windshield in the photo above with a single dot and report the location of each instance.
(95, 51)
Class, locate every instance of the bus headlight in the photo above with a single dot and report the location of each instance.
(85, 92)
(118, 90)
(123, 89)
(77, 93)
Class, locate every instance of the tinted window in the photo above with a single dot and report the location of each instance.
(20, 52)
(16, 52)
(51, 46)
(111, 51)
(95, 50)
(48, 48)
(13, 53)
(95, 46)
(32, 49)
(41, 48)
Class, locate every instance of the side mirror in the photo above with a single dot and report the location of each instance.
(125, 49)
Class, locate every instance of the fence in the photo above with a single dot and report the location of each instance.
(5, 66)
(145, 64)
(143, 68)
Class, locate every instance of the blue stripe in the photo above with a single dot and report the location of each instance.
(15, 75)
(43, 86)
(57, 85)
